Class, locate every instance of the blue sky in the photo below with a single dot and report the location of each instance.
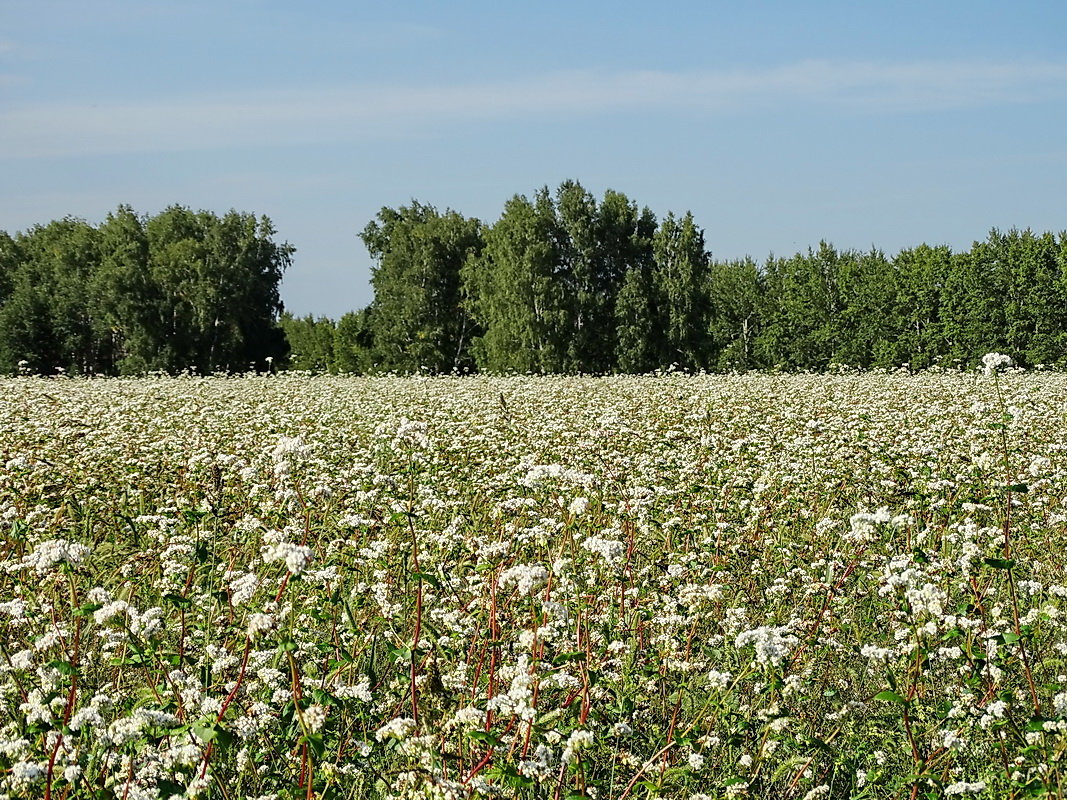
(777, 124)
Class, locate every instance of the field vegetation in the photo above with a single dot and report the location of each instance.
(294, 586)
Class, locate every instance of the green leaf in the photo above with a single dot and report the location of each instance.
(212, 732)
(323, 698)
(223, 737)
(999, 563)
(178, 600)
(488, 739)
(205, 733)
(819, 744)
(891, 697)
(166, 789)
(400, 654)
(132, 660)
(1036, 788)
(315, 744)
(917, 777)
(428, 577)
(286, 645)
(549, 717)
(87, 609)
(510, 775)
(565, 658)
(63, 667)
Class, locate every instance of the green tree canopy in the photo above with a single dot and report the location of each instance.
(179, 290)
(419, 320)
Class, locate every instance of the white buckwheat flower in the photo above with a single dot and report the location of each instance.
(526, 578)
(991, 362)
(963, 787)
(772, 644)
(612, 551)
(315, 717)
(258, 624)
(399, 728)
(719, 680)
(296, 557)
(578, 506)
(50, 554)
(578, 740)
(289, 447)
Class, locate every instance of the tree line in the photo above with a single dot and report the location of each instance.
(563, 282)
(181, 290)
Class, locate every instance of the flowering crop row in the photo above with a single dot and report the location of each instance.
(841, 586)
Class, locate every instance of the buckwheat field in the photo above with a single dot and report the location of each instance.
(290, 586)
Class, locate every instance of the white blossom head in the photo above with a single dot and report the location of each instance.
(992, 362)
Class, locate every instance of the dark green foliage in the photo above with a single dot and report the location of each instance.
(1036, 301)
(322, 345)
(517, 292)
(973, 307)
(50, 319)
(638, 323)
(561, 283)
(353, 342)
(311, 342)
(804, 303)
(418, 320)
(736, 299)
(181, 290)
(598, 245)
(566, 284)
(545, 289)
(920, 275)
(869, 318)
(680, 277)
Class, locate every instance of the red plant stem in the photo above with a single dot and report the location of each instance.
(71, 697)
(414, 660)
(281, 588)
(479, 765)
(1015, 610)
(418, 610)
(493, 632)
(226, 704)
(240, 680)
(817, 624)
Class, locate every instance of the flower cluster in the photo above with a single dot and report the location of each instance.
(789, 586)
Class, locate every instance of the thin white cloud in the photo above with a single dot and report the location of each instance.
(289, 117)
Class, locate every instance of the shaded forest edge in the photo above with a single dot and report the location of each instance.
(560, 283)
